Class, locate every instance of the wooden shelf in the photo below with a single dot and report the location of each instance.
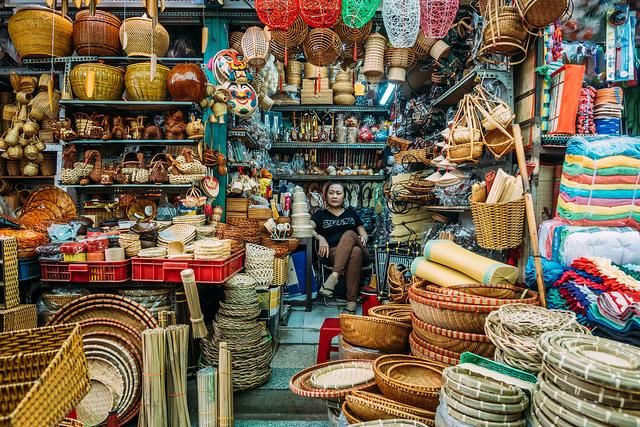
(27, 177)
(325, 145)
(295, 178)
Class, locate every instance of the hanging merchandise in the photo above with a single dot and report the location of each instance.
(402, 21)
(352, 36)
(437, 16)
(620, 46)
(255, 45)
(373, 67)
(322, 47)
(399, 60)
(277, 14)
(540, 13)
(356, 13)
(320, 13)
(503, 32)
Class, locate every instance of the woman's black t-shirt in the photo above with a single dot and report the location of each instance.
(332, 227)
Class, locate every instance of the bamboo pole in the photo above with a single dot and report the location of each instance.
(225, 403)
(531, 218)
(207, 397)
(177, 341)
(153, 411)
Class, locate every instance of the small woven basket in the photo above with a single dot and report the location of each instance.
(499, 225)
(280, 271)
(108, 82)
(255, 47)
(469, 152)
(540, 13)
(373, 65)
(322, 47)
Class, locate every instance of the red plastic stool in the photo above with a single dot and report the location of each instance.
(370, 301)
(330, 329)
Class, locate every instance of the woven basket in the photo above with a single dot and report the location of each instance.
(369, 406)
(96, 35)
(422, 349)
(455, 341)
(278, 50)
(280, 271)
(322, 47)
(503, 31)
(350, 35)
(373, 66)
(251, 225)
(108, 82)
(498, 225)
(540, 13)
(140, 88)
(378, 334)
(477, 294)
(255, 47)
(348, 351)
(420, 155)
(41, 383)
(395, 312)
(142, 39)
(39, 32)
(293, 36)
(469, 152)
(348, 415)
(235, 41)
(423, 45)
(281, 248)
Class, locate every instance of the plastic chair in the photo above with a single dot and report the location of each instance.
(370, 300)
(330, 329)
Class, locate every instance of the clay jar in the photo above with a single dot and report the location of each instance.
(187, 82)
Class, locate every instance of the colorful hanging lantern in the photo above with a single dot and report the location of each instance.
(402, 21)
(437, 16)
(277, 14)
(357, 13)
(320, 13)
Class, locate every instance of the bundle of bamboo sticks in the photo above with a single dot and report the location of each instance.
(207, 397)
(199, 328)
(153, 411)
(177, 354)
(225, 403)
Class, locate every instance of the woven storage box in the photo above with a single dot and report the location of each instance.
(499, 225)
(24, 316)
(46, 381)
(9, 290)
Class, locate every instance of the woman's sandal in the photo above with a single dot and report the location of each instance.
(325, 292)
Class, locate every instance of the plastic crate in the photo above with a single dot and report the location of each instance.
(28, 269)
(168, 271)
(86, 272)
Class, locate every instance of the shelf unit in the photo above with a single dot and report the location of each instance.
(130, 186)
(325, 145)
(294, 178)
(150, 142)
(130, 105)
(330, 108)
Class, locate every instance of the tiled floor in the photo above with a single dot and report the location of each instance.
(304, 327)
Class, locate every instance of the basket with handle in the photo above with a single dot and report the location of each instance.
(138, 37)
(32, 30)
(96, 34)
(499, 138)
(159, 168)
(322, 47)
(499, 225)
(255, 46)
(503, 32)
(465, 135)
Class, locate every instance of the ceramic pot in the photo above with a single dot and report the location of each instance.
(186, 82)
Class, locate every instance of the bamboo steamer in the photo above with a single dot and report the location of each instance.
(373, 67)
(140, 37)
(32, 30)
(97, 34)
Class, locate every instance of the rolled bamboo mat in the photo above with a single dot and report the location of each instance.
(439, 274)
(207, 391)
(177, 342)
(225, 404)
(153, 411)
(481, 269)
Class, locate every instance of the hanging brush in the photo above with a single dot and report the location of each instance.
(198, 326)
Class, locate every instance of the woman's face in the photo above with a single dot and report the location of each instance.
(335, 196)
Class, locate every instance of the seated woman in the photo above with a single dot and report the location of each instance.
(343, 240)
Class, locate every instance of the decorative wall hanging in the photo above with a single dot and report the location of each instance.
(402, 21)
(322, 47)
(289, 38)
(356, 13)
(437, 16)
(320, 13)
(277, 14)
(352, 36)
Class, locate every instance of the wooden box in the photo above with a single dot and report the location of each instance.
(310, 85)
(23, 316)
(324, 97)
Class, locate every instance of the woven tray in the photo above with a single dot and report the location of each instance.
(95, 406)
(396, 312)
(342, 375)
(301, 385)
(370, 406)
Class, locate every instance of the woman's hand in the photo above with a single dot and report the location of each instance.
(363, 239)
(323, 248)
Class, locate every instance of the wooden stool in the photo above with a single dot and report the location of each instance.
(330, 329)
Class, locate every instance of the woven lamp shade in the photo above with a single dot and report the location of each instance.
(437, 16)
(255, 46)
(402, 21)
(320, 13)
(373, 67)
(322, 47)
(292, 36)
(399, 60)
(356, 13)
(277, 14)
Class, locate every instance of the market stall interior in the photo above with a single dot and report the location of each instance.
(361, 212)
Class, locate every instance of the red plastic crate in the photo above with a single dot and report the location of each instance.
(168, 271)
(86, 272)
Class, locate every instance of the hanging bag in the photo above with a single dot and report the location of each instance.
(159, 169)
(465, 136)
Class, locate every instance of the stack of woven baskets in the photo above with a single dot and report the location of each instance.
(515, 330)
(259, 264)
(249, 342)
(343, 89)
(586, 380)
(450, 321)
(242, 229)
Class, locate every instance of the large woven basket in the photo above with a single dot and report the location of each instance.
(348, 351)
(142, 39)
(39, 32)
(503, 31)
(378, 334)
(424, 350)
(140, 87)
(44, 375)
(458, 342)
(540, 13)
(108, 82)
(97, 34)
(255, 47)
(370, 406)
(322, 47)
(395, 312)
(498, 225)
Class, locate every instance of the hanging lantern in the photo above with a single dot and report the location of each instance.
(277, 14)
(356, 13)
(437, 16)
(320, 13)
(402, 21)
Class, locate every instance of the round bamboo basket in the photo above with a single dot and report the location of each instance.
(108, 82)
(378, 334)
(351, 35)
(235, 40)
(39, 32)
(373, 66)
(371, 406)
(142, 39)
(140, 88)
(97, 34)
(255, 47)
(293, 36)
(469, 152)
(540, 13)
(399, 60)
(499, 225)
(453, 340)
(344, 99)
(396, 312)
(430, 352)
(322, 47)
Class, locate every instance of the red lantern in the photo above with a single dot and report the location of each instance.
(277, 14)
(320, 13)
(437, 16)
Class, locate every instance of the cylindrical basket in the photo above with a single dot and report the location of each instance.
(108, 82)
(140, 87)
(39, 32)
(499, 225)
(322, 47)
(142, 39)
(255, 47)
(503, 32)
(373, 65)
(97, 34)
(280, 271)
